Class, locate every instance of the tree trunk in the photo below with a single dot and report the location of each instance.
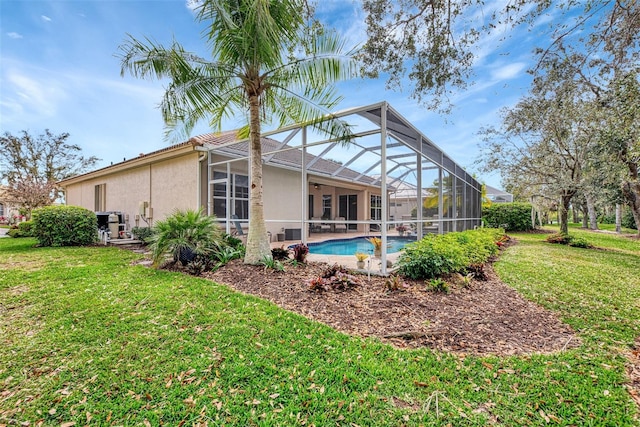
(631, 190)
(591, 211)
(618, 218)
(563, 212)
(258, 247)
(585, 218)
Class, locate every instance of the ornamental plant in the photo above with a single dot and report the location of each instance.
(438, 255)
(360, 256)
(184, 235)
(64, 226)
(510, 216)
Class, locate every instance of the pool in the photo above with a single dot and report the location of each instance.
(356, 244)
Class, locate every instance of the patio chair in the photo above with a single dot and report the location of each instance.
(236, 222)
(314, 227)
(340, 226)
(325, 227)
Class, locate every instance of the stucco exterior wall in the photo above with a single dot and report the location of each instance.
(282, 195)
(166, 185)
(174, 185)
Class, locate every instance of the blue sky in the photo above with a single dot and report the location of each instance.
(59, 71)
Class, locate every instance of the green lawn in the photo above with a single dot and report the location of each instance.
(86, 337)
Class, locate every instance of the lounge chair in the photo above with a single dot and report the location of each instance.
(325, 227)
(340, 226)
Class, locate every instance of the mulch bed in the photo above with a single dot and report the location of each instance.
(484, 318)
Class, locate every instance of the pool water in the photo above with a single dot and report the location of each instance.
(357, 244)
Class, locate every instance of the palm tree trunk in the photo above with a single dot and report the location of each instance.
(258, 247)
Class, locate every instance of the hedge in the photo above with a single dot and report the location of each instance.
(437, 255)
(65, 226)
(510, 216)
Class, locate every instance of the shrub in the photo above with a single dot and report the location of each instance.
(143, 234)
(439, 285)
(198, 265)
(23, 229)
(184, 234)
(394, 284)
(280, 254)
(560, 238)
(580, 242)
(565, 239)
(510, 216)
(437, 255)
(627, 220)
(335, 278)
(64, 226)
(224, 249)
(300, 252)
(272, 264)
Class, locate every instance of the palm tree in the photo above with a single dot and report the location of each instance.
(267, 64)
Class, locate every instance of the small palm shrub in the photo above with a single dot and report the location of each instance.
(64, 226)
(184, 235)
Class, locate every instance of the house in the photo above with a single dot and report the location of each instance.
(310, 183)
(498, 196)
(8, 207)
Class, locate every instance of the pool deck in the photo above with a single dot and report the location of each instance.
(348, 261)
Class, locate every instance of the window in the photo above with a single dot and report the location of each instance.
(1, 209)
(326, 206)
(239, 195)
(376, 207)
(100, 198)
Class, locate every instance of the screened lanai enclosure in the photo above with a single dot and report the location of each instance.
(390, 178)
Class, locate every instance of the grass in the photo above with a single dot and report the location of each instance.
(88, 338)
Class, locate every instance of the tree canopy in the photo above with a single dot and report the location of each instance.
(434, 43)
(30, 166)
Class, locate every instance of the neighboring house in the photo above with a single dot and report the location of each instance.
(210, 172)
(8, 207)
(498, 196)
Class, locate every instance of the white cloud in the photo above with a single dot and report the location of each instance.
(45, 18)
(510, 71)
(14, 35)
(193, 4)
(37, 96)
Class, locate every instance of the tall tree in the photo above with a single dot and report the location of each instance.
(621, 138)
(434, 43)
(606, 61)
(266, 64)
(31, 166)
(546, 141)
